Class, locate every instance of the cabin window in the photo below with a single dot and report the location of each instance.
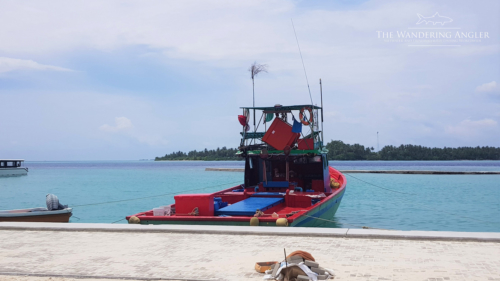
(252, 171)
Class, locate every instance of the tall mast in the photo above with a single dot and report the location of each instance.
(321, 91)
(378, 148)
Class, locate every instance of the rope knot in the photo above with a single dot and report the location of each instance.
(195, 212)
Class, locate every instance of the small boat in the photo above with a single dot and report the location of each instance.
(39, 214)
(287, 179)
(55, 212)
(12, 167)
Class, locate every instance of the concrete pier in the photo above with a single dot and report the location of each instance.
(414, 172)
(39, 251)
(225, 169)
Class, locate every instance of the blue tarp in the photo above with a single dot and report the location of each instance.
(276, 184)
(248, 206)
(268, 194)
(297, 126)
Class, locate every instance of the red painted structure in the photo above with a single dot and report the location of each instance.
(298, 202)
(279, 135)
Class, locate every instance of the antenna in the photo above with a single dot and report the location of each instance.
(303, 65)
(321, 92)
(378, 148)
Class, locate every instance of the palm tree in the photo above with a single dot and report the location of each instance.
(254, 70)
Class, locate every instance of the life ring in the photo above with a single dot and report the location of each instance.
(301, 116)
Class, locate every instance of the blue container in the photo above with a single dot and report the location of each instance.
(218, 199)
(216, 205)
(222, 205)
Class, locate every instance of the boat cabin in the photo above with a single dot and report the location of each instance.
(12, 167)
(280, 173)
(11, 163)
(287, 152)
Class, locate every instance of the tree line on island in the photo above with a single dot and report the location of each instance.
(338, 150)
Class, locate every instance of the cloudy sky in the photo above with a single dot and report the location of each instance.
(111, 80)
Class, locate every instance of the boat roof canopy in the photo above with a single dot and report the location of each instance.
(11, 160)
(283, 107)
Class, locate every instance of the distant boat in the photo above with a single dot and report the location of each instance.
(39, 214)
(12, 167)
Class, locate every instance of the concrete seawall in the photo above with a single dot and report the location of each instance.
(251, 230)
(382, 172)
(30, 251)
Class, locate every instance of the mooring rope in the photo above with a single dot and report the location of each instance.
(118, 220)
(379, 186)
(422, 206)
(153, 196)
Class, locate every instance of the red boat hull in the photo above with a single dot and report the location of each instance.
(293, 209)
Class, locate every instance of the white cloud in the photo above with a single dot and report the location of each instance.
(469, 128)
(124, 126)
(121, 124)
(11, 64)
(225, 33)
(152, 140)
(487, 87)
(471, 50)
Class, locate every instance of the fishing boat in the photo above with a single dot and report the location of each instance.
(287, 179)
(39, 214)
(12, 167)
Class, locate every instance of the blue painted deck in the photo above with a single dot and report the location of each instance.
(248, 206)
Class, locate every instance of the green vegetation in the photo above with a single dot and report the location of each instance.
(338, 150)
(219, 154)
(341, 151)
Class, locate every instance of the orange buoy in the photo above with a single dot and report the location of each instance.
(301, 116)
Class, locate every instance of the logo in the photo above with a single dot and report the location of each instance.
(434, 35)
(436, 18)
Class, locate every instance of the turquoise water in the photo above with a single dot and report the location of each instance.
(436, 202)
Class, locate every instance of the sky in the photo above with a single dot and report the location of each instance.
(128, 80)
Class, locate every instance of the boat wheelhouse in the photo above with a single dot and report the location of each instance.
(12, 167)
(287, 180)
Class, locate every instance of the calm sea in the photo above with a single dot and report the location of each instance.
(404, 202)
